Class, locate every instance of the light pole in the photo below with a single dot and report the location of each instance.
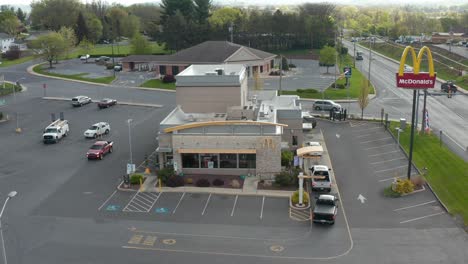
(10, 195)
(398, 130)
(129, 122)
(370, 58)
(18, 129)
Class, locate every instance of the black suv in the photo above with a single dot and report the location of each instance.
(448, 86)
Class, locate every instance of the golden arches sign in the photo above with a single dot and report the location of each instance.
(416, 79)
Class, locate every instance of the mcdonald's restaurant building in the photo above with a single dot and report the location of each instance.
(221, 128)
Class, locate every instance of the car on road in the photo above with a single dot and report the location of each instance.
(448, 86)
(98, 129)
(359, 55)
(106, 102)
(55, 131)
(81, 100)
(326, 105)
(325, 209)
(102, 59)
(99, 149)
(321, 180)
(85, 57)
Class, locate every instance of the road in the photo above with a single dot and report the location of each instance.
(448, 115)
(460, 50)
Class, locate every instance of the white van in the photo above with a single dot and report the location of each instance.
(56, 131)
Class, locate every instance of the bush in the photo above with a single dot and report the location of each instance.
(284, 178)
(307, 91)
(295, 198)
(188, 180)
(13, 53)
(338, 86)
(135, 178)
(203, 183)
(168, 79)
(218, 182)
(344, 50)
(286, 158)
(291, 65)
(418, 181)
(389, 192)
(175, 181)
(165, 174)
(403, 186)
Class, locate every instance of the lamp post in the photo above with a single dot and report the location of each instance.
(18, 129)
(370, 58)
(129, 122)
(398, 130)
(10, 195)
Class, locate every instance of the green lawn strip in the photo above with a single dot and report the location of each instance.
(7, 63)
(7, 88)
(120, 50)
(442, 70)
(156, 83)
(447, 173)
(79, 76)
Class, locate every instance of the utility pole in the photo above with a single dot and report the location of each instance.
(370, 59)
(129, 122)
(336, 57)
(423, 126)
(281, 73)
(354, 50)
(410, 159)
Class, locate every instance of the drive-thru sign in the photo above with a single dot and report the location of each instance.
(416, 79)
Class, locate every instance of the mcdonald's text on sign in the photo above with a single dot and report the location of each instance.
(416, 79)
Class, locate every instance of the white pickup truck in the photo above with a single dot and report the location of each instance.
(56, 131)
(97, 129)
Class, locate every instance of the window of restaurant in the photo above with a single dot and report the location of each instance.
(247, 161)
(162, 70)
(227, 161)
(209, 161)
(190, 160)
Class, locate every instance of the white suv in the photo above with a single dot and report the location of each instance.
(97, 129)
(321, 180)
(80, 100)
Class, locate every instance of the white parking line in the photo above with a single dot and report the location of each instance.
(399, 167)
(234, 206)
(364, 130)
(408, 207)
(180, 200)
(422, 217)
(206, 205)
(391, 144)
(263, 203)
(100, 207)
(369, 141)
(381, 154)
(378, 162)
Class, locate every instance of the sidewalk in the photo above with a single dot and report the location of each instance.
(249, 188)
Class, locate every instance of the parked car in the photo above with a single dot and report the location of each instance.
(326, 105)
(97, 129)
(448, 86)
(118, 67)
(106, 102)
(325, 210)
(85, 57)
(321, 180)
(80, 100)
(102, 59)
(99, 149)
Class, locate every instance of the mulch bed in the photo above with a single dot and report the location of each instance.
(274, 187)
(226, 178)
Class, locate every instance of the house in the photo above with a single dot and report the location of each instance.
(208, 52)
(445, 37)
(5, 42)
(221, 128)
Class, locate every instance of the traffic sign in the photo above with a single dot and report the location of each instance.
(347, 71)
(130, 168)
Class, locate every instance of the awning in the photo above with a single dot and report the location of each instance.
(222, 151)
(163, 149)
(312, 151)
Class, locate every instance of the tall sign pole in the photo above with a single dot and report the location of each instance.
(415, 80)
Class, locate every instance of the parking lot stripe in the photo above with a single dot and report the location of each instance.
(263, 203)
(378, 162)
(234, 206)
(157, 198)
(408, 207)
(206, 205)
(180, 200)
(391, 144)
(107, 200)
(365, 130)
(130, 201)
(374, 140)
(380, 154)
(143, 201)
(399, 167)
(422, 217)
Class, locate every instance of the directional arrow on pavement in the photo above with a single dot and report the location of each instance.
(361, 198)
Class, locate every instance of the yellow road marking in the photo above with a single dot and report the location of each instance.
(136, 239)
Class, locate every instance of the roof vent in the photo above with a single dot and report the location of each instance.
(219, 71)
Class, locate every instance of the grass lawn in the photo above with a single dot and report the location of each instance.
(332, 93)
(7, 63)
(156, 83)
(120, 50)
(79, 76)
(8, 88)
(447, 173)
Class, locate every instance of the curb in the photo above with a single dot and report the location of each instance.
(121, 103)
(221, 191)
(30, 71)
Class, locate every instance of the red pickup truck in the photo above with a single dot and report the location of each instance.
(99, 149)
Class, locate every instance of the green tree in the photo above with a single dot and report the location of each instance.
(223, 17)
(81, 28)
(53, 14)
(327, 56)
(49, 46)
(10, 26)
(363, 97)
(170, 7)
(202, 10)
(69, 38)
(149, 16)
(21, 15)
(94, 26)
(174, 32)
(140, 45)
(130, 26)
(86, 47)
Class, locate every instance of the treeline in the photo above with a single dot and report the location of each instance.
(401, 21)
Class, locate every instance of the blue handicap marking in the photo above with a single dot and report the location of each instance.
(161, 210)
(112, 207)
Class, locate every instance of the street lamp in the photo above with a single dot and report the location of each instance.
(129, 121)
(18, 129)
(10, 195)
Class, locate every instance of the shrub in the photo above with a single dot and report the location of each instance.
(403, 186)
(300, 90)
(295, 197)
(188, 180)
(286, 158)
(168, 79)
(338, 86)
(13, 53)
(344, 50)
(218, 182)
(203, 183)
(165, 174)
(284, 178)
(418, 181)
(310, 91)
(175, 181)
(135, 178)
